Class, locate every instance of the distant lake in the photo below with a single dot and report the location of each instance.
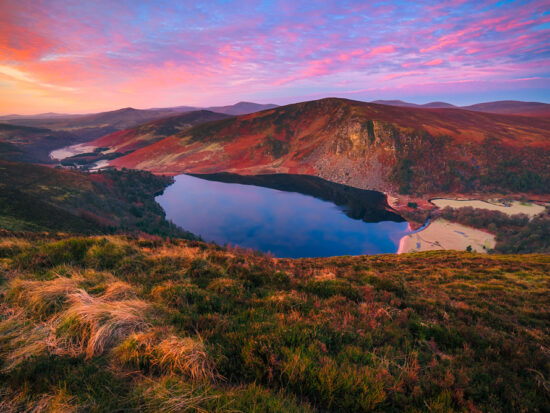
(287, 224)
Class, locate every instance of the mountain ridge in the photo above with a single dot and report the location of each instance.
(366, 145)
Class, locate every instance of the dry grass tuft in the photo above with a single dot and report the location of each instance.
(172, 355)
(171, 395)
(11, 402)
(21, 338)
(98, 324)
(119, 290)
(186, 356)
(41, 298)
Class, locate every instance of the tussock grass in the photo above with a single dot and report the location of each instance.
(98, 324)
(41, 298)
(21, 338)
(172, 395)
(172, 355)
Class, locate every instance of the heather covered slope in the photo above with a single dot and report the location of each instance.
(130, 324)
(365, 145)
(151, 132)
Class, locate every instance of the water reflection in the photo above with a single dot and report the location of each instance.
(287, 224)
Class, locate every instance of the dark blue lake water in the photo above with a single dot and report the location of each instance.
(287, 224)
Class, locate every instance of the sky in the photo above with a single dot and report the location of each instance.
(85, 56)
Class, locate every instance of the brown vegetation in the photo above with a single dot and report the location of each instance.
(176, 325)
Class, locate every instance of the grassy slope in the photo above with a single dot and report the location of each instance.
(36, 198)
(126, 323)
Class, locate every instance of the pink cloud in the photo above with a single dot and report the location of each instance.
(434, 62)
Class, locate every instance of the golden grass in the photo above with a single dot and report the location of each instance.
(84, 324)
(103, 323)
(119, 290)
(21, 338)
(41, 298)
(170, 395)
(172, 355)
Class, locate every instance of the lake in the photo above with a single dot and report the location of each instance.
(287, 224)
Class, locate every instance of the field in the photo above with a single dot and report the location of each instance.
(127, 323)
(512, 208)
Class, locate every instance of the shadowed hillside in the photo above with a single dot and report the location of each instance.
(28, 144)
(131, 324)
(365, 145)
(36, 198)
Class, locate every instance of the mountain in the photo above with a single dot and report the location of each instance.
(241, 108)
(151, 132)
(431, 105)
(366, 145)
(95, 125)
(49, 115)
(437, 105)
(28, 144)
(512, 107)
(504, 107)
(399, 103)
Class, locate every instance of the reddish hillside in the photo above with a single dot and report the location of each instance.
(151, 132)
(364, 145)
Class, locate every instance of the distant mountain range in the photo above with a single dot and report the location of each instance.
(508, 107)
(431, 105)
(91, 126)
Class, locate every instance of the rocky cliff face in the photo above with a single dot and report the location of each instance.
(364, 145)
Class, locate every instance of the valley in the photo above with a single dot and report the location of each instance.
(385, 147)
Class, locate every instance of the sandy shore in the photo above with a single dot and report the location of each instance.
(515, 207)
(444, 235)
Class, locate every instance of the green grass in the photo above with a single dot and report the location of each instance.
(100, 324)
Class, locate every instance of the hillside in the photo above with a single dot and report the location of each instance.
(512, 107)
(366, 145)
(36, 198)
(133, 324)
(98, 124)
(151, 132)
(28, 144)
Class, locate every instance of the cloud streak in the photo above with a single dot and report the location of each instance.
(82, 56)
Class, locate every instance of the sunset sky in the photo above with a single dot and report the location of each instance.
(85, 56)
